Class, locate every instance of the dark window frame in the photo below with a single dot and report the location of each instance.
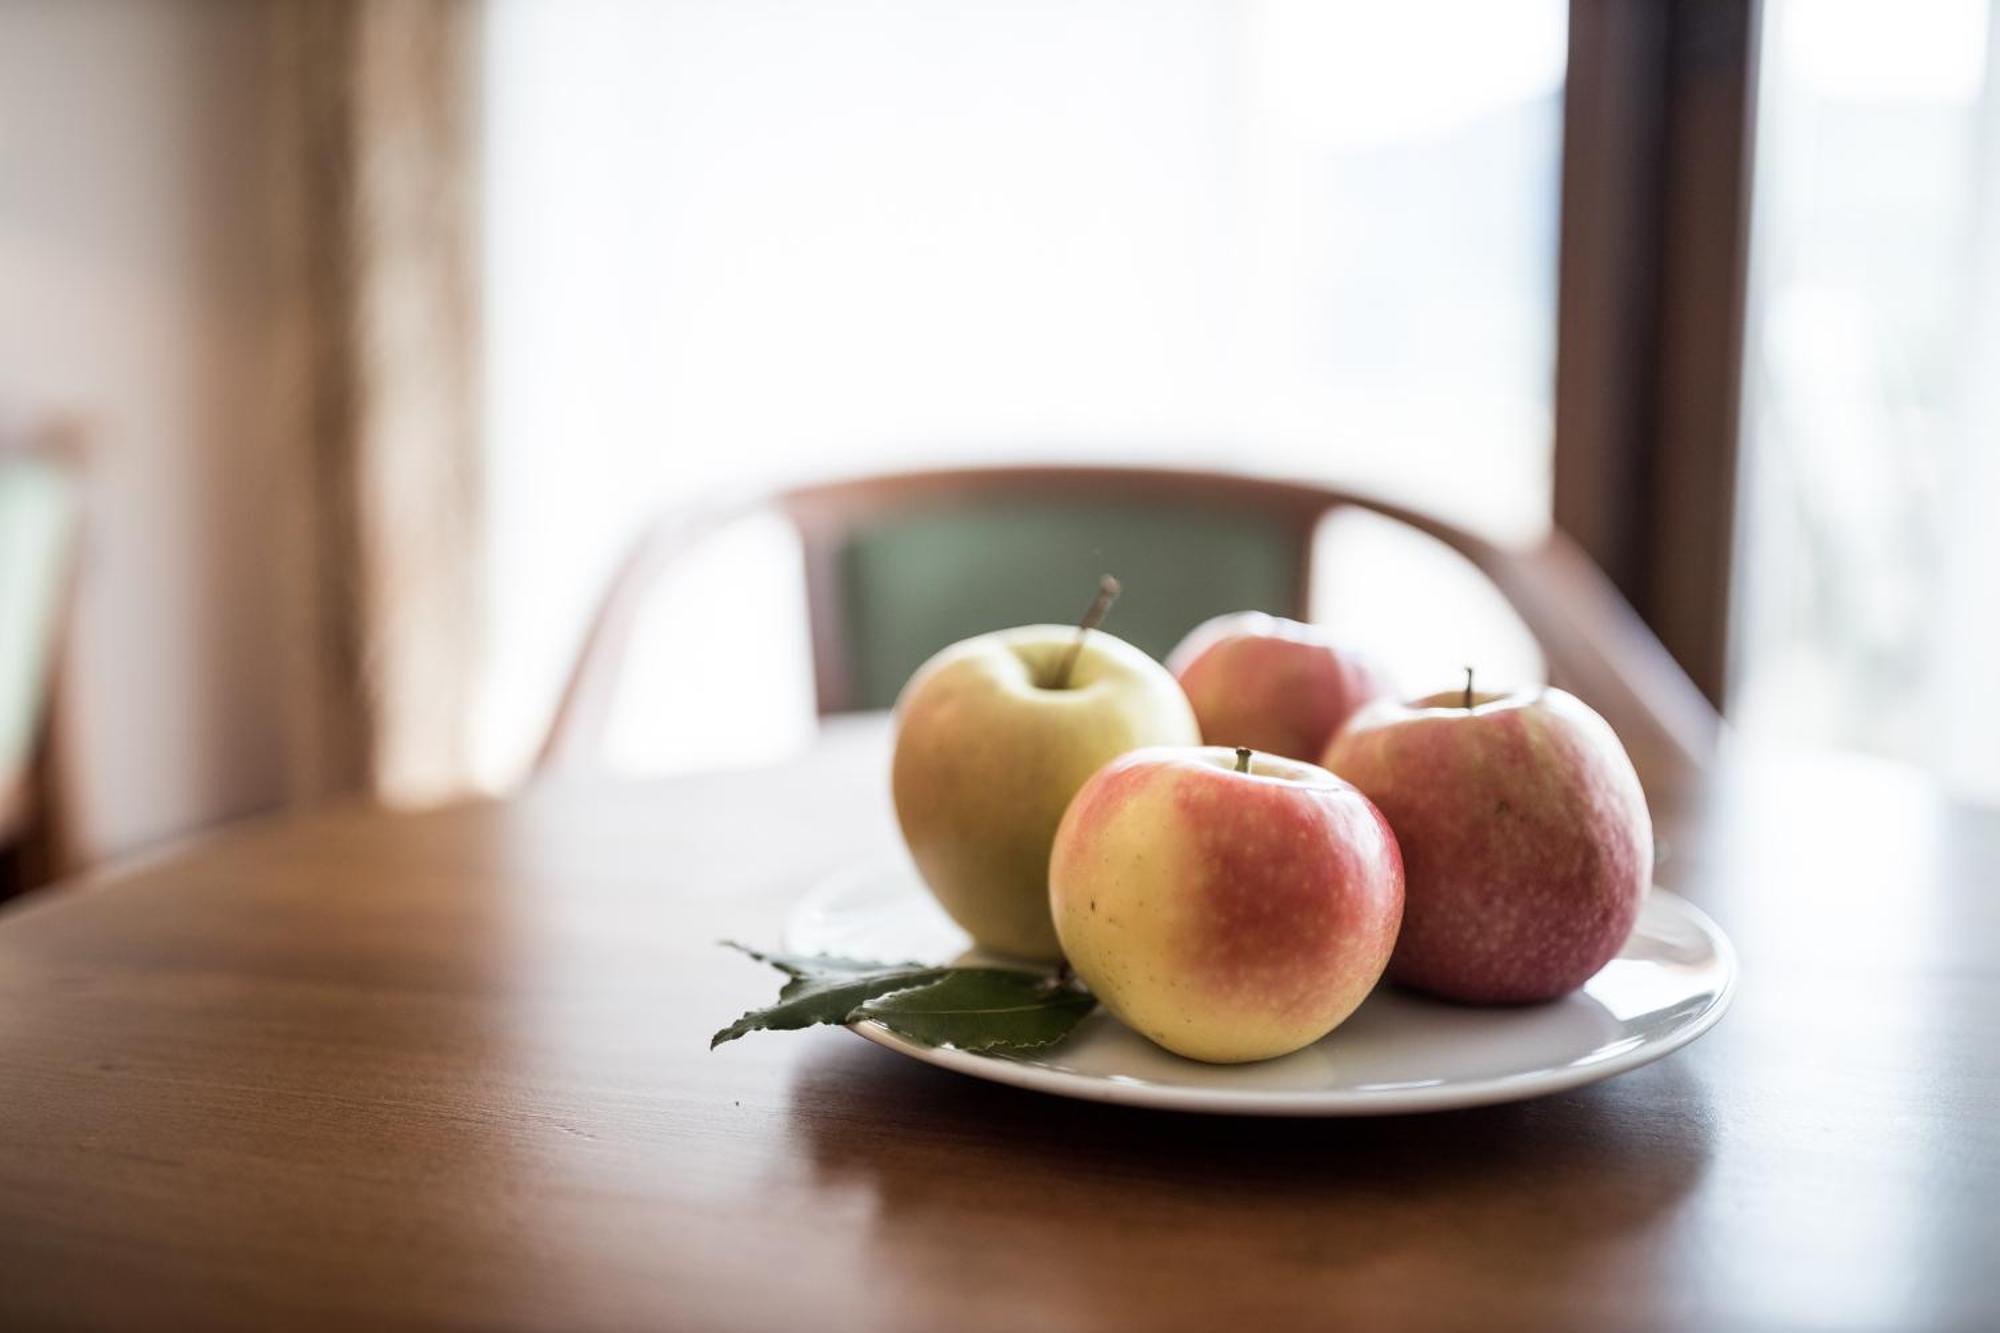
(1658, 120)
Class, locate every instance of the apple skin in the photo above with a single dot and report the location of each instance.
(1227, 916)
(1278, 686)
(987, 761)
(1527, 845)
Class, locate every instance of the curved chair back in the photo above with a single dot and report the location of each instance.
(40, 516)
(902, 564)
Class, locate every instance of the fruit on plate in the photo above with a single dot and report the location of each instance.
(1275, 685)
(993, 737)
(1527, 846)
(1229, 906)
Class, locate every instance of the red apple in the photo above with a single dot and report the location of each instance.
(1229, 907)
(1527, 846)
(1277, 686)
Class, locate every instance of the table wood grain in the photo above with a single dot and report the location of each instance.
(450, 1071)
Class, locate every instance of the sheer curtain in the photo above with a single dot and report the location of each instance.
(1868, 605)
(376, 171)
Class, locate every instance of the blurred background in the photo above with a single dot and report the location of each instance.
(346, 350)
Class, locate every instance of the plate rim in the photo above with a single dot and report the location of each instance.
(1114, 1090)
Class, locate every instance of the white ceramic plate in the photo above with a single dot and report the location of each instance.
(1399, 1052)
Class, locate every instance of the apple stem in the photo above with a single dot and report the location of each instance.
(1242, 759)
(1468, 689)
(1107, 593)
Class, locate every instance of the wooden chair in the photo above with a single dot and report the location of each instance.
(40, 493)
(899, 565)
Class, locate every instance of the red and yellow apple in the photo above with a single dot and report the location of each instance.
(1275, 685)
(1227, 915)
(992, 741)
(1527, 845)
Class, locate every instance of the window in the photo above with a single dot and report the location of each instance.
(1868, 573)
(736, 243)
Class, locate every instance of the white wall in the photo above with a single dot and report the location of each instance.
(131, 297)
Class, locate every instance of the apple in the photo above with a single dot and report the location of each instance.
(1272, 684)
(993, 737)
(1527, 846)
(1230, 907)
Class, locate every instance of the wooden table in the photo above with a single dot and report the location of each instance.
(375, 1071)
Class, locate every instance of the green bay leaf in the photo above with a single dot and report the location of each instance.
(823, 990)
(982, 1009)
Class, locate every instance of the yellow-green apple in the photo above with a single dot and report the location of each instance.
(1527, 846)
(992, 741)
(1229, 907)
(1275, 685)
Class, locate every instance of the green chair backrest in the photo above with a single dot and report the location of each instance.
(921, 579)
(38, 513)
